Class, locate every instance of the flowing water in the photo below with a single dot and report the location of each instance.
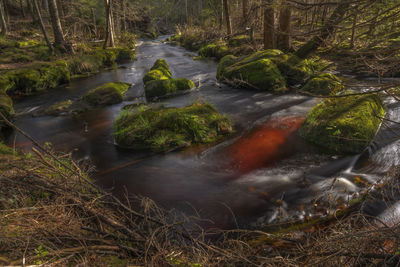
(263, 173)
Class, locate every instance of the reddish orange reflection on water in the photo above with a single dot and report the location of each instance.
(263, 146)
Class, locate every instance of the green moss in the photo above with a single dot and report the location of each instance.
(6, 82)
(239, 40)
(345, 124)
(163, 129)
(25, 80)
(5, 150)
(225, 62)
(261, 74)
(52, 75)
(217, 50)
(6, 108)
(158, 88)
(159, 71)
(106, 94)
(323, 84)
(125, 54)
(155, 75)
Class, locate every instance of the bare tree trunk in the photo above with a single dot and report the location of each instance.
(109, 25)
(21, 4)
(186, 12)
(94, 22)
(227, 17)
(3, 19)
(39, 16)
(124, 24)
(60, 6)
(30, 9)
(245, 8)
(45, 5)
(269, 25)
(56, 24)
(353, 30)
(326, 31)
(283, 38)
(221, 18)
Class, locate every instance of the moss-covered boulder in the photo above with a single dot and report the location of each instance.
(163, 129)
(217, 50)
(225, 62)
(260, 74)
(106, 94)
(158, 81)
(344, 124)
(159, 71)
(158, 88)
(323, 84)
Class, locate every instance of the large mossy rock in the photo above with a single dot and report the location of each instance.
(254, 72)
(159, 88)
(159, 71)
(158, 81)
(163, 129)
(323, 84)
(271, 70)
(106, 94)
(344, 124)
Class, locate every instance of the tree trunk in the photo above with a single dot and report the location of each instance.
(56, 24)
(94, 22)
(45, 5)
(283, 38)
(269, 25)
(21, 4)
(39, 16)
(221, 18)
(60, 6)
(353, 30)
(3, 19)
(245, 7)
(326, 31)
(109, 24)
(227, 17)
(30, 9)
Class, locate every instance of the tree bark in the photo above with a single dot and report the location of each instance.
(56, 24)
(283, 38)
(60, 6)
(4, 29)
(42, 27)
(45, 5)
(109, 25)
(326, 31)
(21, 4)
(227, 17)
(269, 25)
(245, 7)
(353, 30)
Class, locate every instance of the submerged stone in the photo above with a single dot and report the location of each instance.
(106, 94)
(344, 124)
(164, 129)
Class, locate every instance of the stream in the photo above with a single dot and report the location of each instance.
(262, 174)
